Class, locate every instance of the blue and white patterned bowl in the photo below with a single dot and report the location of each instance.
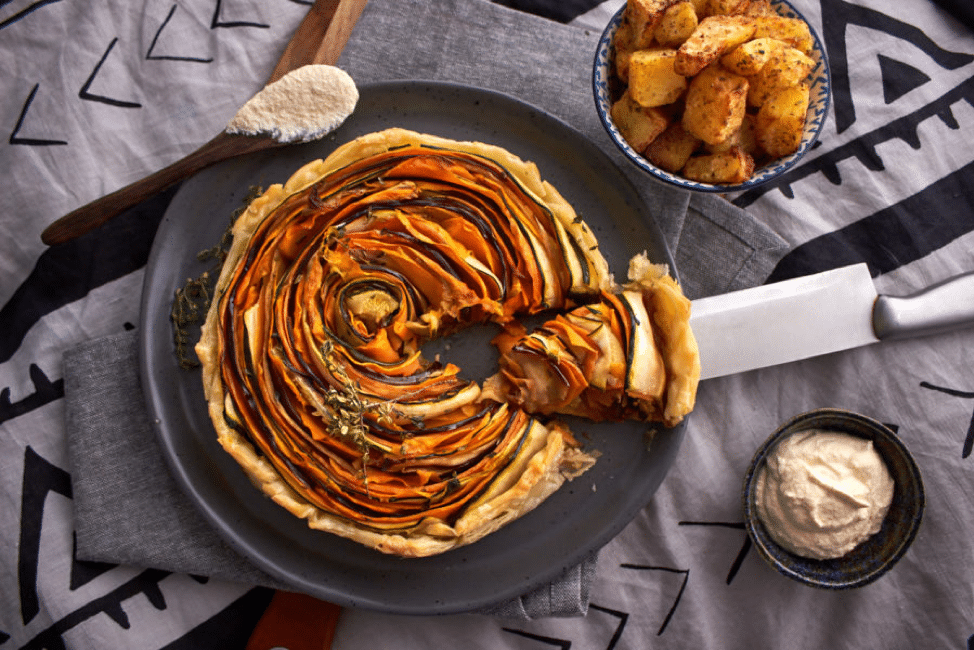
(873, 557)
(820, 98)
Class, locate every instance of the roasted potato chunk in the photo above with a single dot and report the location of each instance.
(638, 125)
(715, 104)
(712, 37)
(643, 16)
(700, 6)
(793, 31)
(622, 51)
(745, 138)
(678, 22)
(748, 58)
(733, 166)
(785, 67)
(652, 80)
(780, 122)
(726, 7)
(759, 8)
(672, 149)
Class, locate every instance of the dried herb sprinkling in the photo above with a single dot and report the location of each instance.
(346, 419)
(191, 302)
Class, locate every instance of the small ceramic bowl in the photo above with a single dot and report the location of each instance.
(876, 555)
(607, 88)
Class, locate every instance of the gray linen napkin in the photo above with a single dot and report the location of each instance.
(127, 507)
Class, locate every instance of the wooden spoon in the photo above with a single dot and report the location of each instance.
(319, 39)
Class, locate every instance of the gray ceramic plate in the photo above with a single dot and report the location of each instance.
(581, 517)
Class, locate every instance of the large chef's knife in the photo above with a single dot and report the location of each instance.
(818, 314)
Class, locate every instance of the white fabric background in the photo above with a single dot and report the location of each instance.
(925, 602)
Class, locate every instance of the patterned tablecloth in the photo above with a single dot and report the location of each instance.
(98, 94)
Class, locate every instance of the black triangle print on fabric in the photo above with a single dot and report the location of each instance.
(219, 22)
(668, 570)
(621, 617)
(741, 554)
(89, 96)
(40, 479)
(563, 11)
(150, 55)
(899, 78)
(15, 137)
(909, 230)
(20, 15)
(968, 445)
(840, 15)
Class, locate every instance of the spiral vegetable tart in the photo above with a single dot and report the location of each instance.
(311, 351)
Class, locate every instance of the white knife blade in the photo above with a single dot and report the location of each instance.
(818, 314)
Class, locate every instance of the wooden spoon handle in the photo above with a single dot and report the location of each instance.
(307, 37)
(330, 47)
(320, 37)
(90, 216)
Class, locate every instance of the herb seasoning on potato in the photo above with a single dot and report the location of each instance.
(710, 89)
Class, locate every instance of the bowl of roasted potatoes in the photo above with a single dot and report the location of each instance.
(712, 95)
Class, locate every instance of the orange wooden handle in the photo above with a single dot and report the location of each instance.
(296, 622)
(307, 38)
(321, 36)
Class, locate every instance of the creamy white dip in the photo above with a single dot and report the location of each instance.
(821, 493)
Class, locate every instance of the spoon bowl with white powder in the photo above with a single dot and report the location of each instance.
(301, 106)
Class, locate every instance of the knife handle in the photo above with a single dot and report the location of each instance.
(942, 307)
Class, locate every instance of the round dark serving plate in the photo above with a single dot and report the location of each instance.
(582, 516)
